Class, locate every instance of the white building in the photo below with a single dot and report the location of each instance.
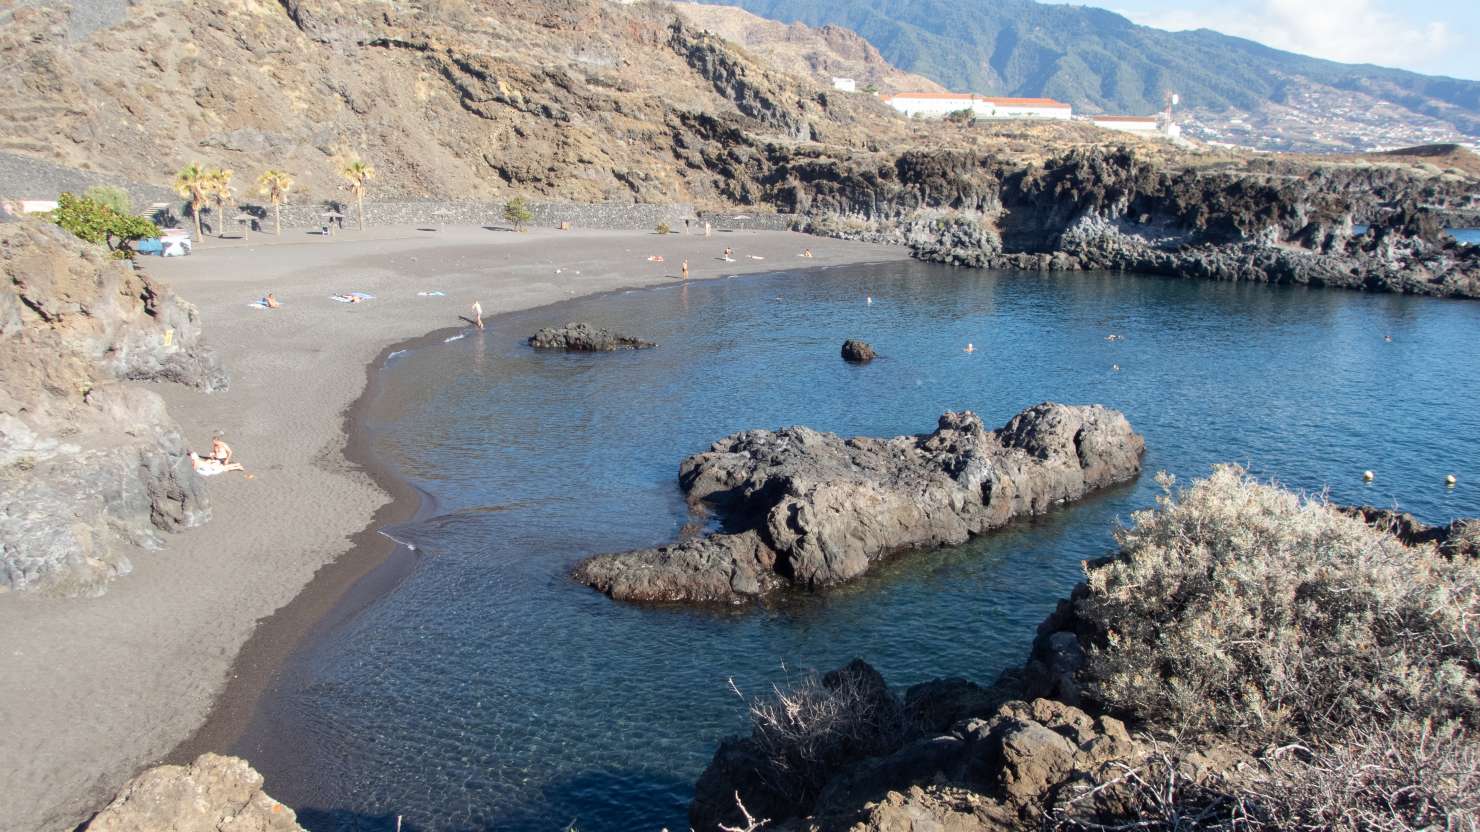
(1028, 108)
(942, 104)
(1144, 125)
(845, 84)
(934, 104)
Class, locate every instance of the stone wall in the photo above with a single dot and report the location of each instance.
(610, 216)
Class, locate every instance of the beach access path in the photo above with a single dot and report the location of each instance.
(94, 689)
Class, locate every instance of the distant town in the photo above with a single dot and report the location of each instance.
(971, 107)
(1314, 120)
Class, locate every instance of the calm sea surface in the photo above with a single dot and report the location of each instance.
(489, 692)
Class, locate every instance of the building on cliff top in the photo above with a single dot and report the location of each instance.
(942, 104)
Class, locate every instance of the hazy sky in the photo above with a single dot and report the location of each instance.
(1440, 37)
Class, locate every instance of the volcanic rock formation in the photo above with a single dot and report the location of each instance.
(813, 509)
(858, 352)
(583, 337)
(89, 465)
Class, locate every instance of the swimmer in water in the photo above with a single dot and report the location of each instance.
(969, 347)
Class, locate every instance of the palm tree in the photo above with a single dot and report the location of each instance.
(274, 184)
(193, 183)
(358, 173)
(221, 191)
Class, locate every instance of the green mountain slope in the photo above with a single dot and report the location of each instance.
(1101, 62)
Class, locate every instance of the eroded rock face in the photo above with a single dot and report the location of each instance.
(583, 337)
(212, 794)
(88, 464)
(858, 352)
(812, 509)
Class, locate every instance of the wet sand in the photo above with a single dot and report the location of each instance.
(171, 660)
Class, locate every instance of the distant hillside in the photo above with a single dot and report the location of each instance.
(1102, 62)
(818, 53)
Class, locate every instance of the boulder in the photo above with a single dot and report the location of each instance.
(583, 337)
(813, 510)
(858, 352)
(212, 794)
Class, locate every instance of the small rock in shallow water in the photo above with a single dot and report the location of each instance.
(858, 352)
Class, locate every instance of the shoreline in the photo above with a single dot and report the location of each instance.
(175, 657)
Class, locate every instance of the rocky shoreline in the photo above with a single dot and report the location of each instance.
(811, 510)
(1055, 744)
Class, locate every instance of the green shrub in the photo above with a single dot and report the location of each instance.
(96, 222)
(1244, 610)
(112, 196)
(517, 212)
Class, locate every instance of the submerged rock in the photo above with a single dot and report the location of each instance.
(88, 465)
(858, 352)
(212, 794)
(583, 337)
(811, 509)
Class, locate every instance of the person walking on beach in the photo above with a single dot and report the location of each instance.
(478, 314)
(706, 229)
(685, 270)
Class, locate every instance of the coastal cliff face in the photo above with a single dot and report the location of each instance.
(1124, 208)
(89, 465)
(812, 510)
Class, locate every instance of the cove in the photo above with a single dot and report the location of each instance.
(488, 691)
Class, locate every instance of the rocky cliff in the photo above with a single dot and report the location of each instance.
(820, 54)
(89, 464)
(812, 510)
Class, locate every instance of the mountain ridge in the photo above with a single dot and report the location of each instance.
(1101, 61)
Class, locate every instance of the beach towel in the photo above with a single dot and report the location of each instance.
(258, 304)
(432, 294)
(352, 297)
(756, 257)
(656, 258)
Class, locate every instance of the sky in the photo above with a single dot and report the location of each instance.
(1439, 37)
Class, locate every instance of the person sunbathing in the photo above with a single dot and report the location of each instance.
(220, 451)
(271, 301)
(212, 467)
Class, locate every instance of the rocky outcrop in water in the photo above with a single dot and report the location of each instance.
(88, 464)
(212, 794)
(583, 337)
(811, 510)
(858, 352)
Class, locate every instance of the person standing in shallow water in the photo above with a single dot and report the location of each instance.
(685, 270)
(478, 314)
